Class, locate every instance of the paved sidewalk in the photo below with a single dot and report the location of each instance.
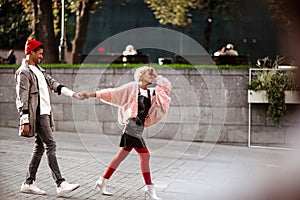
(180, 170)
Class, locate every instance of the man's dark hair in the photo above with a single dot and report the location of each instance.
(38, 48)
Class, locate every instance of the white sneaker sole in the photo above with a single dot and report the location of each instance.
(32, 192)
(62, 193)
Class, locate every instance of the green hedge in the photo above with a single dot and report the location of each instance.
(175, 66)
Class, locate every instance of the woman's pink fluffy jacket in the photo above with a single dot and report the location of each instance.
(126, 98)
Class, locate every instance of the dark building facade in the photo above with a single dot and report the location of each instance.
(252, 32)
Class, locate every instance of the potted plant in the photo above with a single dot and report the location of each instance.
(274, 86)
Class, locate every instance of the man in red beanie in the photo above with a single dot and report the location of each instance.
(33, 103)
(31, 45)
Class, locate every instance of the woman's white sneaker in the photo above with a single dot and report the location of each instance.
(32, 189)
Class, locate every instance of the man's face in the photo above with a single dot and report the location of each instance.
(37, 56)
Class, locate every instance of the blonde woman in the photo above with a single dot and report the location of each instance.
(139, 107)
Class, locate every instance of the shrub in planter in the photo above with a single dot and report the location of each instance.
(275, 82)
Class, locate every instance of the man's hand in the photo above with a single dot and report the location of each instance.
(81, 95)
(25, 129)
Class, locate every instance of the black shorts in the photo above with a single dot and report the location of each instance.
(132, 135)
(131, 141)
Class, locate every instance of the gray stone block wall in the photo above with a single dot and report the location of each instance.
(207, 105)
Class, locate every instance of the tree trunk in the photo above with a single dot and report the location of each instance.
(82, 19)
(44, 30)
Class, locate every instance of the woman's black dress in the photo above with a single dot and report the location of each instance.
(133, 130)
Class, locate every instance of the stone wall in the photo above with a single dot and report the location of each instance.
(207, 105)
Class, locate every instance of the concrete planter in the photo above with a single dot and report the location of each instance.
(291, 97)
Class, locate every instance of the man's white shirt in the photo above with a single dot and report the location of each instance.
(45, 107)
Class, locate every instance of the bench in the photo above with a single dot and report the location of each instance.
(135, 59)
(193, 59)
(217, 60)
(114, 58)
(231, 60)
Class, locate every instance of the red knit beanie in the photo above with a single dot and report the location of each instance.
(31, 45)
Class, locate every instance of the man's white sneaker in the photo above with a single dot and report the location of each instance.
(32, 189)
(65, 188)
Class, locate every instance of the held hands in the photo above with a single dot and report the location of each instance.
(82, 95)
(79, 96)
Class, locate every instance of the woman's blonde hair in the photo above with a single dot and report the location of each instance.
(139, 72)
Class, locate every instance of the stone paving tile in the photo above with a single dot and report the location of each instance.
(179, 173)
